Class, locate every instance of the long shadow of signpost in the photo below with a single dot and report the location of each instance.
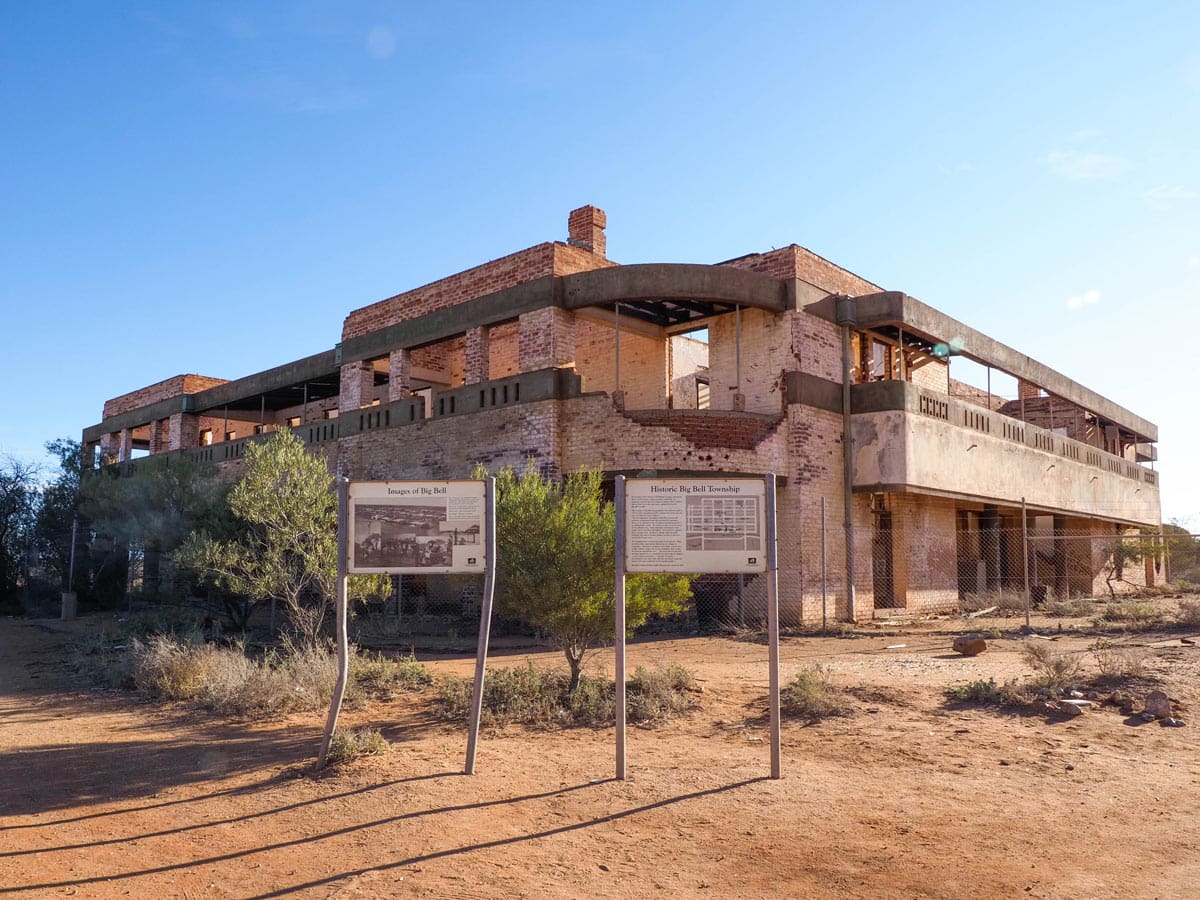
(365, 826)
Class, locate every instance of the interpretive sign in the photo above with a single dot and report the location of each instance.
(416, 527)
(695, 525)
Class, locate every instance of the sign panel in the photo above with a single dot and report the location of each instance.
(695, 525)
(416, 527)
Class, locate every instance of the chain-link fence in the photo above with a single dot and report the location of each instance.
(906, 561)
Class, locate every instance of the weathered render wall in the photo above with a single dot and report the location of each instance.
(927, 454)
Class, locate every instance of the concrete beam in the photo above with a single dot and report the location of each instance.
(917, 318)
(674, 281)
(310, 368)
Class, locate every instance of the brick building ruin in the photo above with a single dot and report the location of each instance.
(558, 354)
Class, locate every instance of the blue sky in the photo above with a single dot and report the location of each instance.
(211, 187)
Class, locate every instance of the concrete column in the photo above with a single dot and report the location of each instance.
(87, 456)
(125, 452)
(477, 349)
(183, 431)
(546, 339)
(357, 387)
(399, 374)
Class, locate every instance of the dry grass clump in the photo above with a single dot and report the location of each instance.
(1188, 614)
(1132, 614)
(539, 698)
(1052, 668)
(1005, 600)
(1069, 608)
(811, 696)
(1119, 662)
(229, 681)
(347, 746)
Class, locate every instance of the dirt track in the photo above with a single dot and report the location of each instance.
(105, 796)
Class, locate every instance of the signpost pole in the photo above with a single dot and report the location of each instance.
(619, 625)
(773, 626)
(485, 619)
(343, 648)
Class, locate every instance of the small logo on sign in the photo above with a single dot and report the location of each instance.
(751, 560)
(470, 560)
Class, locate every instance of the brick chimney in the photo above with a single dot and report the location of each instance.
(585, 228)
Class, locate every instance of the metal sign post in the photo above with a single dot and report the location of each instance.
(343, 641)
(688, 525)
(773, 627)
(413, 527)
(619, 625)
(485, 620)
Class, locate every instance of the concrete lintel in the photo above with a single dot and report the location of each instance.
(895, 308)
(674, 281)
(976, 499)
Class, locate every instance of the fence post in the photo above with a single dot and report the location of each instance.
(1025, 558)
(824, 584)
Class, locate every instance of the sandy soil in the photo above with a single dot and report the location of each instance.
(102, 795)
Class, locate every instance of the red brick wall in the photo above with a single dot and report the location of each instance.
(161, 390)
(508, 271)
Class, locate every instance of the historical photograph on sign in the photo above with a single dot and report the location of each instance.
(411, 527)
(695, 525)
(723, 523)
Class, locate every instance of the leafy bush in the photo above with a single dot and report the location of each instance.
(811, 696)
(347, 746)
(541, 698)
(1052, 668)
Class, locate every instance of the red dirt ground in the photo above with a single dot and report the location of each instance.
(103, 795)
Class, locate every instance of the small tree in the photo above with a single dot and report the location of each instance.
(555, 545)
(1125, 551)
(18, 502)
(286, 548)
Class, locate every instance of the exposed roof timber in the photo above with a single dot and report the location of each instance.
(895, 308)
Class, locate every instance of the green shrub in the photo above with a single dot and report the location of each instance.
(347, 746)
(654, 695)
(986, 693)
(378, 677)
(541, 698)
(811, 696)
